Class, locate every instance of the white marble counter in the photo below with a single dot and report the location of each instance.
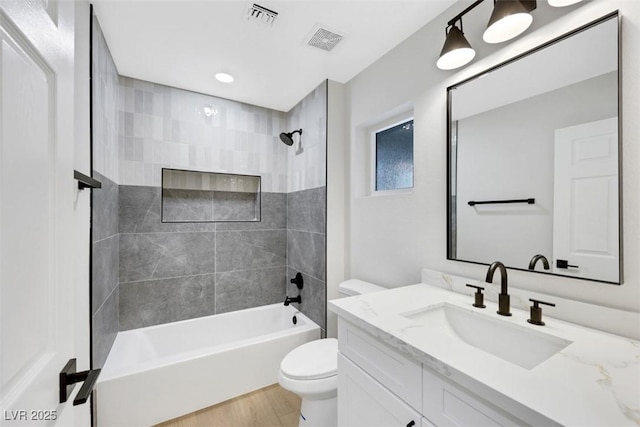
(595, 380)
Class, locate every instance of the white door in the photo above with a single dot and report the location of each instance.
(585, 213)
(39, 204)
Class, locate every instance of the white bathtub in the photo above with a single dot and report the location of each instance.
(161, 372)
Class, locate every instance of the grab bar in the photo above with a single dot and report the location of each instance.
(495, 202)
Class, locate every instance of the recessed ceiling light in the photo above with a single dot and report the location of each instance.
(224, 77)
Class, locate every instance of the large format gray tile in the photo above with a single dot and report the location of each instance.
(140, 212)
(104, 208)
(235, 206)
(104, 270)
(314, 297)
(306, 252)
(187, 205)
(161, 255)
(166, 300)
(273, 215)
(238, 290)
(307, 210)
(105, 326)
(244, 250)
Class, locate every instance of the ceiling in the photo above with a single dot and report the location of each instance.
(183, 43)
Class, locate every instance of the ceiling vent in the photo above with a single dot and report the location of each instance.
(261, 14)
(324, 39)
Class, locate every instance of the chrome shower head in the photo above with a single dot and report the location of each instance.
(287, 138)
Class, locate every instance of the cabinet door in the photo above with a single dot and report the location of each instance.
(448, 405)
(362, 401)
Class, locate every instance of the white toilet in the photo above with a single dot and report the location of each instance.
(311, 370)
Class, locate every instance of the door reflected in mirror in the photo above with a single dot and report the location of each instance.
(534, 159)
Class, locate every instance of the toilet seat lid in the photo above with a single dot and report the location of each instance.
(313, 360)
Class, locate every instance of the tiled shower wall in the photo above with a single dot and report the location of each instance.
(105, 240)
(175, 128)
(168, 272)
(173, 271)
(307, 204)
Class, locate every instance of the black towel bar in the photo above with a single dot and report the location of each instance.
(495, 202)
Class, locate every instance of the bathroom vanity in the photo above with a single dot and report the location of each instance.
(423, 356)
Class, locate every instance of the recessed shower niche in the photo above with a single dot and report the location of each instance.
(194, 196)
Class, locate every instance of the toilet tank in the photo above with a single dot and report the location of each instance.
(357, 287)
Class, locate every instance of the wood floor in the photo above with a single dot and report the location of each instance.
(271, 406)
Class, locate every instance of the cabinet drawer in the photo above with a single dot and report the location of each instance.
(362, 401)
(399, 374)
(446, 405)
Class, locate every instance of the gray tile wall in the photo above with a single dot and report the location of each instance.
(104, 269)
(307, 204)
(104, 207)
(306, 250)
(207, 205)
(171, 272)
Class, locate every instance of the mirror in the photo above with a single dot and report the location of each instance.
(192, 196)
(533, 159)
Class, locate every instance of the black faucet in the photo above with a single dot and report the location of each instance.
(289, 300)
(503, 297)
(535, 259)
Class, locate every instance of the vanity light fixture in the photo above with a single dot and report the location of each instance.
(508, 19)
(563, 3)
(456, 51)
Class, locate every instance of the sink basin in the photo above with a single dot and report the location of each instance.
(516, 344)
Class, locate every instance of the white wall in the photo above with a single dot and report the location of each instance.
(392, 238)
(336, 196)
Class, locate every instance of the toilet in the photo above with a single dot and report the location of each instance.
(311, 370)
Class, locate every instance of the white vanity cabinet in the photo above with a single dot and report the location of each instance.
(380, 386)
(362, 401)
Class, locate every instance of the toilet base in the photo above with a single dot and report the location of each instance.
(319, 413)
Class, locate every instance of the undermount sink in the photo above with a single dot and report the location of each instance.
(516, 344)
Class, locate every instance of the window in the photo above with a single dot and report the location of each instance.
(393, 149)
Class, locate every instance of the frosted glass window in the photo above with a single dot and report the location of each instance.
(394, 157)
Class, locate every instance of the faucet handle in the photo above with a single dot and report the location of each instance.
(479, 296)
(536, 311)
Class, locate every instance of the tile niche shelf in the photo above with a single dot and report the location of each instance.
(194, 196)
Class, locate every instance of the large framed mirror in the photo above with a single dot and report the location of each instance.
(534, 159)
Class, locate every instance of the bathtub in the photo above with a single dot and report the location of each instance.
(161, 372)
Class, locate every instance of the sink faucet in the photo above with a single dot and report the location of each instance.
(503, 297)
(289, 300)
(535, 259)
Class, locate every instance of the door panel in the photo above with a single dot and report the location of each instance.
(585, 216)
(39, 324)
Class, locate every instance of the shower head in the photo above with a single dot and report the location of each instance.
(287, 138)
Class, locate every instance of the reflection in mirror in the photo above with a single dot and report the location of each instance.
(192, 196)
(533, 159)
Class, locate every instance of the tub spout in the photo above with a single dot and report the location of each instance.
(289, 300)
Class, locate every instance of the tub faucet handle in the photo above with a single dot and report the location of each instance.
(298, 280)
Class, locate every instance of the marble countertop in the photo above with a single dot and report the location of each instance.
(595, 380)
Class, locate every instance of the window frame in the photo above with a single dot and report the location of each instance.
(373, 161)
